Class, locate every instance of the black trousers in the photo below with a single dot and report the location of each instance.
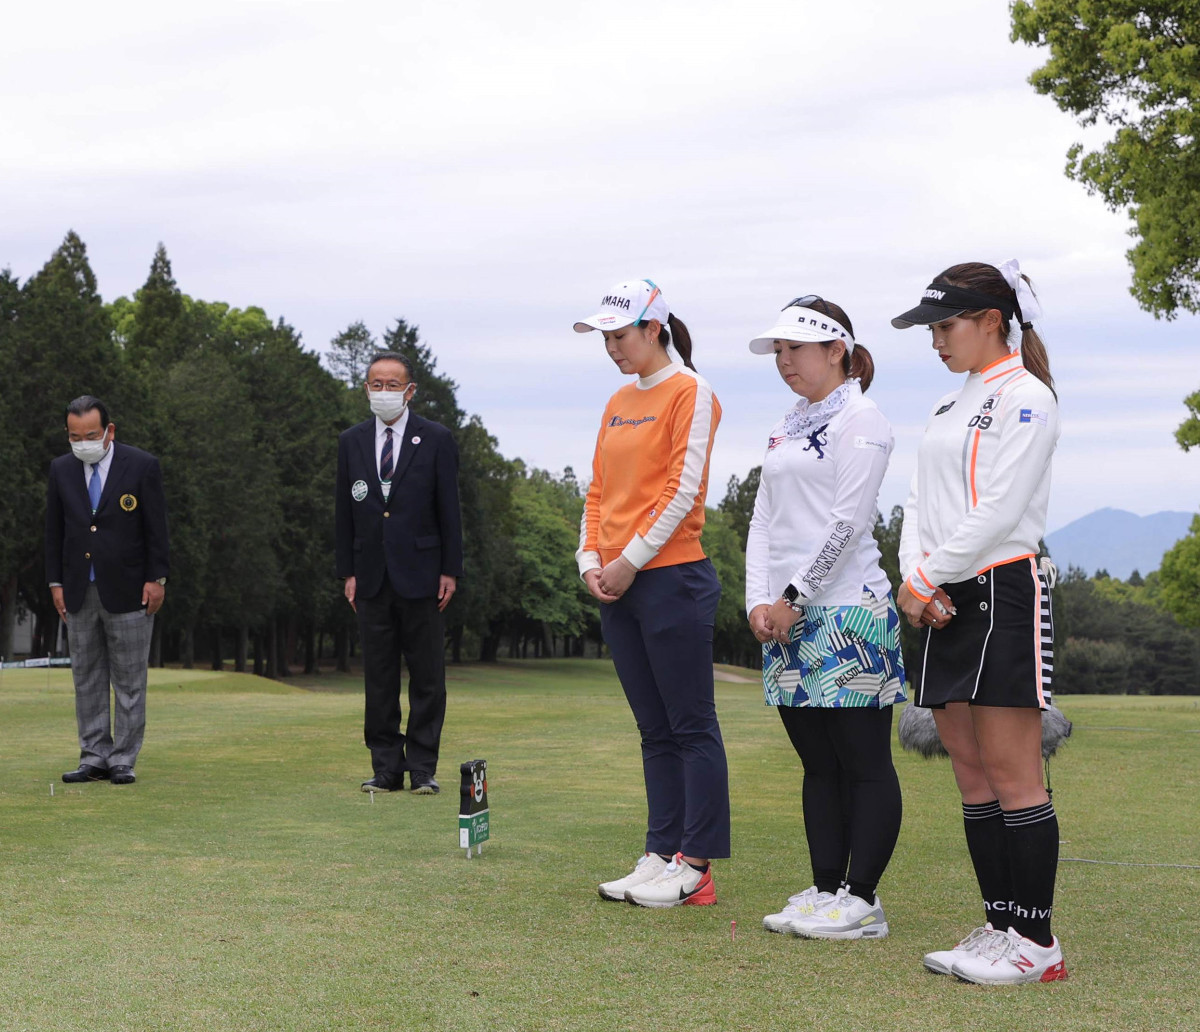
(851, 795)
(391, 627)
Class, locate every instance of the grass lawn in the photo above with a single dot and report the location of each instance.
(245, 883)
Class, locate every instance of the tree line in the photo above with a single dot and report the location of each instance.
(245, 421)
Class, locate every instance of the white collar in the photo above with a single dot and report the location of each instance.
(654, 379)
(106, 462)
(397, 427)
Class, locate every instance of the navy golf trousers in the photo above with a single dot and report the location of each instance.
(660, 633)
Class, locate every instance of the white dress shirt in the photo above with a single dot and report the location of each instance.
(397, 429)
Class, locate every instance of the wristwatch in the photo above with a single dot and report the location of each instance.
(162, 581)
(790, 594)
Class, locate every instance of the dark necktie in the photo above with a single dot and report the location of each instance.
(94, 498)
(385, 458)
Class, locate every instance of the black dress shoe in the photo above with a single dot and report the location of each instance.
(384, 783)
(122, 775)
(86, 772)
(423, 784)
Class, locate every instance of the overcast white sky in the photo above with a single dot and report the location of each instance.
(487, 170)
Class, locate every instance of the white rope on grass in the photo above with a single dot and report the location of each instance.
(1124, 863)
(1152, 730)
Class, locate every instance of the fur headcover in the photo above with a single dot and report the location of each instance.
(919, 734)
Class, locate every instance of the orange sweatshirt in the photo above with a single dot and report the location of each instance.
(650, 473)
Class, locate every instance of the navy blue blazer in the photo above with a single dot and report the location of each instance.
(417, 534)
(126, 539)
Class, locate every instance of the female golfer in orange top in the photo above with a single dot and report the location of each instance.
(640, 555)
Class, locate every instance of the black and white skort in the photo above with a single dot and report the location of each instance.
(999, 648)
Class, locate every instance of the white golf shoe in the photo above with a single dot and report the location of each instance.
(651, 865)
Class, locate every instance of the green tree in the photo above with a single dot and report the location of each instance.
(887, 536)
(546, 587)
(159, 336)
(65, 348)
(482, 607)
(738, 503)
(1180, 577)
(298, 413)
(437, 395)
(732, 640)
(19, 473)
(1136, 66)
(223, 501)
(350, 354)
(1188, 434)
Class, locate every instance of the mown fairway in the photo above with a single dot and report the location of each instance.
(246, 884)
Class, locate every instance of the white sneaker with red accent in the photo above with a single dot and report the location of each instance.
(651, 865)
(679, 884)
(941, 961)
(798, 905)
(1010, 959)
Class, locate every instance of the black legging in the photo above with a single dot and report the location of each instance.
(852, 801)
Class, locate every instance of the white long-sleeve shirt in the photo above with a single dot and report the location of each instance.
(815, 511)
(982, 484)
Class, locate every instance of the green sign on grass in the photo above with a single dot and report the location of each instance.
(474, 823)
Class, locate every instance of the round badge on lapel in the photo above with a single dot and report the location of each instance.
(128, 502)
(416, 440)
(359, 490)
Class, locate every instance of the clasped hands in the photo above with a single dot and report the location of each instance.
(935, 613)
(773, 622)
(611, 582)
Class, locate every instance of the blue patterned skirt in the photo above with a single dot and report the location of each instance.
(838, 656)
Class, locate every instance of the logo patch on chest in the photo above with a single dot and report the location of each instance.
(358, 491)
(817, 441)
(128, 502)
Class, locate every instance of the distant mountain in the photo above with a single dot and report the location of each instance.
(1117, 541)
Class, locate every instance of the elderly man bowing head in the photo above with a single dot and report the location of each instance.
(106, 561)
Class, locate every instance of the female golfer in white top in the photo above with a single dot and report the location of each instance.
(822, 607)
(968, 550)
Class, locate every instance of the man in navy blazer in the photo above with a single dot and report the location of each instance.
(106, 562)
(399, 550)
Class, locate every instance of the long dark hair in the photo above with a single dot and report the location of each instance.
(987, 279)
(675, 330)
(857, 362)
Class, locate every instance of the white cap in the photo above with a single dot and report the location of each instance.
(801, 324)
(625, 304)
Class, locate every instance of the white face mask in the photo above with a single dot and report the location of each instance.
(89, 451)
(388, 405)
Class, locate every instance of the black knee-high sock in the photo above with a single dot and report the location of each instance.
(988, 844)
(1033, 853)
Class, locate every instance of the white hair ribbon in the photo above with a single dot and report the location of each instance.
(1027, 302)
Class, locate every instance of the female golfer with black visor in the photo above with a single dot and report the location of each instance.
(968, 548)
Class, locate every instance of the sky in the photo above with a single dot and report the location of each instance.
(487, 171)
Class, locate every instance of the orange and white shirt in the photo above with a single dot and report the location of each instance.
(982, 483)
(650, 473)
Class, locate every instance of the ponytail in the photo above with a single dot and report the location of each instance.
(1035, 359)
(859, 363)
(675, 330)
(987, 279)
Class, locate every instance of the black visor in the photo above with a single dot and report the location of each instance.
(942, 301)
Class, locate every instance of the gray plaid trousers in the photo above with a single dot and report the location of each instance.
(109, 648)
